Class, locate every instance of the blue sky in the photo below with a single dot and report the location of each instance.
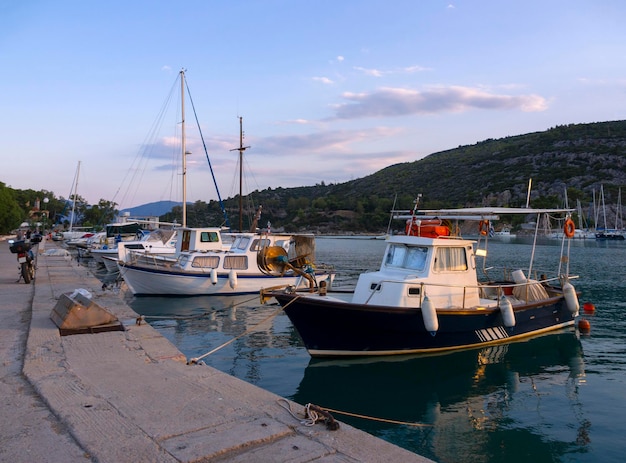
(329, 90)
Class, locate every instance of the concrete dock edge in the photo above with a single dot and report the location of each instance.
(129, 396)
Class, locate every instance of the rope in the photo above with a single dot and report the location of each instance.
(195, 360)
(383, 420)
(312, 415)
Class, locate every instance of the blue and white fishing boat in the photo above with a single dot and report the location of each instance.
(427, 295)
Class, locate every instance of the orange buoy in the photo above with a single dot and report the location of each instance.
(588, 307)
(584, 326)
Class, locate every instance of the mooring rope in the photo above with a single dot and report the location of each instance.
(312, 416)
(195, 360)
(383, 420)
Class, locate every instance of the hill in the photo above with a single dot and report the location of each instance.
(155, 209)
(579, 158)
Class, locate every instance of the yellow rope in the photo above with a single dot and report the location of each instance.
(313, 417)
(384, 420)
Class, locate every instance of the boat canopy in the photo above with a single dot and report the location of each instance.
(129, 228)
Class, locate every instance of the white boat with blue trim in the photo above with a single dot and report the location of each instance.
(205, 265)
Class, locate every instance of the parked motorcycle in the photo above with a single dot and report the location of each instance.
(25, 257)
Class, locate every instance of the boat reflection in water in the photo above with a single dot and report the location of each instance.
(216, 319)
(509, 402)
(250, 341)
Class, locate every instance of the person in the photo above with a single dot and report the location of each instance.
(20, 235)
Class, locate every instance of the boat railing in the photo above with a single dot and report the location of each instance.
(526, 292)
(153, 260)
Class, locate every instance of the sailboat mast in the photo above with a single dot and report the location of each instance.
(241, 149)
(74, 196)
(603, 206)
(183, 144)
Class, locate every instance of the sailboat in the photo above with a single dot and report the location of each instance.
(205, 264)
(607, 233)
(75, 233)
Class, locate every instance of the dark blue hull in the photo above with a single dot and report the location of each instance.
(331, 328)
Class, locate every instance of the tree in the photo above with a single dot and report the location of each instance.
(11, 214)
(99, 214)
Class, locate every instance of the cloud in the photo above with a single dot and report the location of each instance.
(370, 72)
(380, 73)
(337, 141)
(389, 102)
(324, 80)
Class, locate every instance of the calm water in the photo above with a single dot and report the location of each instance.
(555, 398)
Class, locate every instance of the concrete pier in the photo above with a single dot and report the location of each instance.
(129, 396)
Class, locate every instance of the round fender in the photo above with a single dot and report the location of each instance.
(429, 315)
(571, 298)
(506, 309)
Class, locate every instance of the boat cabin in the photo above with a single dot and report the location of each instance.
(415, 267)
(199, 239)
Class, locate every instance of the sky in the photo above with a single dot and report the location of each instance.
(328, 90)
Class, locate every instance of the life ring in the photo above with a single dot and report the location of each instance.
(483, 227)
(569, 228)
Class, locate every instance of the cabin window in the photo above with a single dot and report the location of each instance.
(412, 258)
(416, 258)
(395, 256)
(236, 262)
(414, 291)
(206, 262)
(241, 243)
(259, 243)
(209, 237)
(450, 260)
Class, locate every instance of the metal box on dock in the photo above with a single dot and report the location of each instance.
(75, 313)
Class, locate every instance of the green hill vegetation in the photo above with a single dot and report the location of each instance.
(577, 158)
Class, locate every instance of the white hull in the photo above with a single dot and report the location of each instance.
(154, 282)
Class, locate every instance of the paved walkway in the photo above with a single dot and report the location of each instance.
(128, 396)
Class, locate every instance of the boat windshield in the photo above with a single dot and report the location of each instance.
(409, 257)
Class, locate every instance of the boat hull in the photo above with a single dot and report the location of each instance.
(165, 282)
(329, 327)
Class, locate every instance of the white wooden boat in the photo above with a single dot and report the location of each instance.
(427, 296)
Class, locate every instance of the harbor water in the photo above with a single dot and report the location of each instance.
(560, 397)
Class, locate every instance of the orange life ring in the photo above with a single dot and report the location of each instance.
(483, 227)
(569, 228)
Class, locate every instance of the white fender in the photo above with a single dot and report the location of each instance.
(571, 299)
(213, 276)
(429, 314)
(232, 278)
(506, 308)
